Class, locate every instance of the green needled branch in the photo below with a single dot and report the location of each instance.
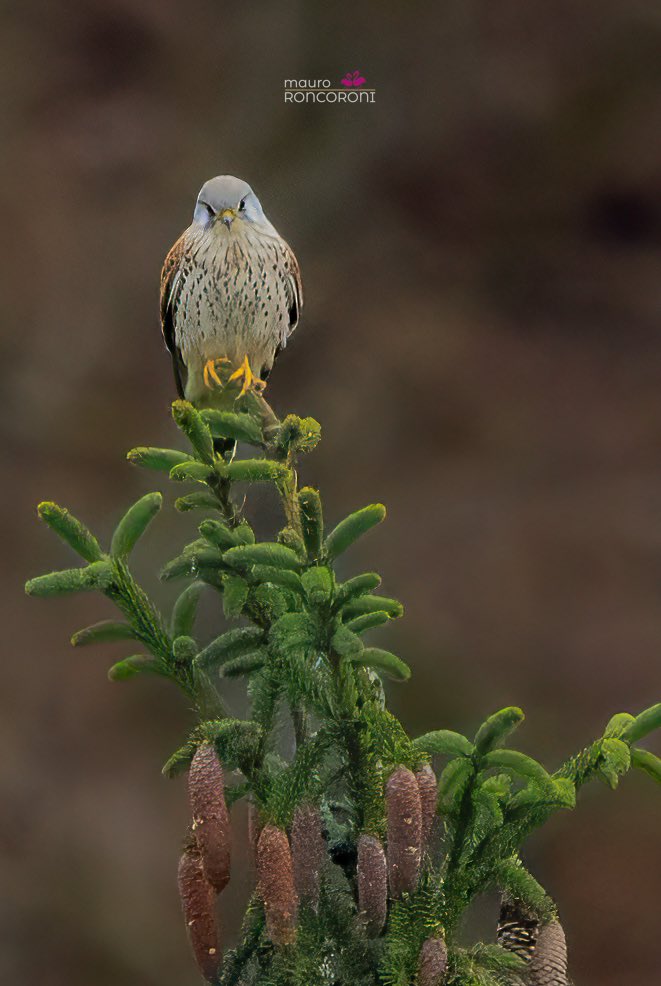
(357, 883)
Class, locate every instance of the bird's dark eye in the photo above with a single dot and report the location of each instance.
(210, 211)
(242, 205)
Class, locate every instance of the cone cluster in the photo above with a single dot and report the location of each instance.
(204, 868)
(286, 873)
(394, 871)
(289, 874)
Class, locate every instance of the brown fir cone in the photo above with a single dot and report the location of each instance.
(433, 962)
(372, 884)
(428, 789)
(276, 885)
(211, 822)
(198, 899)
(308, 850)
(548, 966)
(404, 831)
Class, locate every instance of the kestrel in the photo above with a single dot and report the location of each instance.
(231, 294)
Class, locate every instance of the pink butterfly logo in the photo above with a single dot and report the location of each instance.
(353, 79)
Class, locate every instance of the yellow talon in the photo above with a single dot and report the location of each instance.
(249, 380)
(244, 372)
(211, 374)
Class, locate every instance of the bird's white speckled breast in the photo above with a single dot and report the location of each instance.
(233, 299)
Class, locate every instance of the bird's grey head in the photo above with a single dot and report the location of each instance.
(226, 199)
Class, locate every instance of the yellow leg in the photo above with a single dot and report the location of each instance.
(248, 378)
(210, 373)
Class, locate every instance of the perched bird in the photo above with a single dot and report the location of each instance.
(231, 295)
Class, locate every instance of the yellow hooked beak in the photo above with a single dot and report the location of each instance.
(227, 216)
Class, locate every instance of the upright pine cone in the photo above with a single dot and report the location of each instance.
(517, 928)
(428, 789)
(433, 962)
(276, 885)
(404, 831)
(211, 823)
(198, 900)
(548, 966)
(372, 884)
(308, 850)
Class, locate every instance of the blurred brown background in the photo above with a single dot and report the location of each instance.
(481, 252)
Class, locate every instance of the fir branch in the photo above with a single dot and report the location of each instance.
(299, 647)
